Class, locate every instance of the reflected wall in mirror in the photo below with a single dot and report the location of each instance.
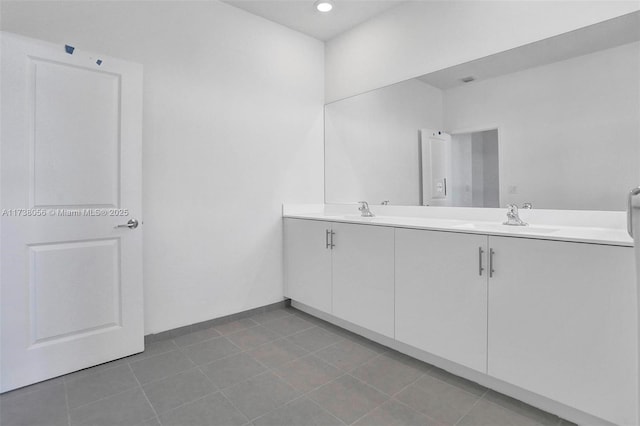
(566, 112)
(475, 170)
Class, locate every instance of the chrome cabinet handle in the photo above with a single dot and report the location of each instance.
(491, 271)
(326, 238)
(632, 194)
(131, 224)
(480, 268)
(332, 245)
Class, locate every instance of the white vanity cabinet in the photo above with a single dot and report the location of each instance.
(342, 269)
(550, 320)
(363, 276)
(441, 294)
(562, 323)
(307, 265)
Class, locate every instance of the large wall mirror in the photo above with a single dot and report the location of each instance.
(555, 123)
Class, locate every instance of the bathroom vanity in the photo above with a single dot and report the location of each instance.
(545, 313)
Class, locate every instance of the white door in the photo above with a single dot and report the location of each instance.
(307, 268)
(441, 294)
(436, 167)
(363, 276)
(562, 322)
(71, 282)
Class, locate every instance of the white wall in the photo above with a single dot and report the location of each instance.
(569, 134)
(232, 128)
(419, 37)
(372, 142)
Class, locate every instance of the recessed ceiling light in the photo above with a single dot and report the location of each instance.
(323, 5)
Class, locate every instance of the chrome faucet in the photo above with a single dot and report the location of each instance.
(527, 206)
(364, 209)
(513, 218)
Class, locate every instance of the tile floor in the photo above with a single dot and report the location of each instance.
(276, 368)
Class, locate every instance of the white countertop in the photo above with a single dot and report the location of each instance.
(615, 234)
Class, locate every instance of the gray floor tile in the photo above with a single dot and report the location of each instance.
(308, 373)
(301, 412)
(486, 413)
(97, 368)
(388, 373)
(196, 337)
(394, 413)
(348, 398)
(441, 401)
(233, 369)
(126, 408)
(342, 332)
(44, 407)
(346, 355)
(521, 408)
(92, 387)
(457, 381)
(233, 326)
(288, 325)
(261, 394)
(151, 422)
(315, 338)
(161, 366)
(314, 320)
(211, 350)
(278, 352)
(252, 337)
(153, 349)
(370, 344)
(32, 388)
(169, 393)
(213, 410)
(272, 314)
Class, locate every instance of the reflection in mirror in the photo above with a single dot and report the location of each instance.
(564, 113)
(475, 177)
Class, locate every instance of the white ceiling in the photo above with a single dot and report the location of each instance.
(600, 36)
(301, 15)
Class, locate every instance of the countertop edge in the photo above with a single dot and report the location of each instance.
(555, 237)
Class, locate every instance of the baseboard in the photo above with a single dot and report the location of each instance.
(170, 334)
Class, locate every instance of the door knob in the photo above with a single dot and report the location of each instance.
(131, 224)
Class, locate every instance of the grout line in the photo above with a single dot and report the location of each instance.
(66, 400)
(249, 422)
(145, 396)
(377, 406)
(106, 397)
(471, 408)
(278, 407)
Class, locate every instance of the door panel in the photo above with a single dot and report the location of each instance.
(77, 135)
(363, 276)
(562, 323)
(74, 288)
(308, 263)
(71, 282)
(441, 294)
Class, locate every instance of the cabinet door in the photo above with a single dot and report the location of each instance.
(562, 323)
(307, 261)
(363, 276)
(441, 294)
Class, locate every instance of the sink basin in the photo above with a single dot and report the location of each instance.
(506, 228)
(354, 217)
